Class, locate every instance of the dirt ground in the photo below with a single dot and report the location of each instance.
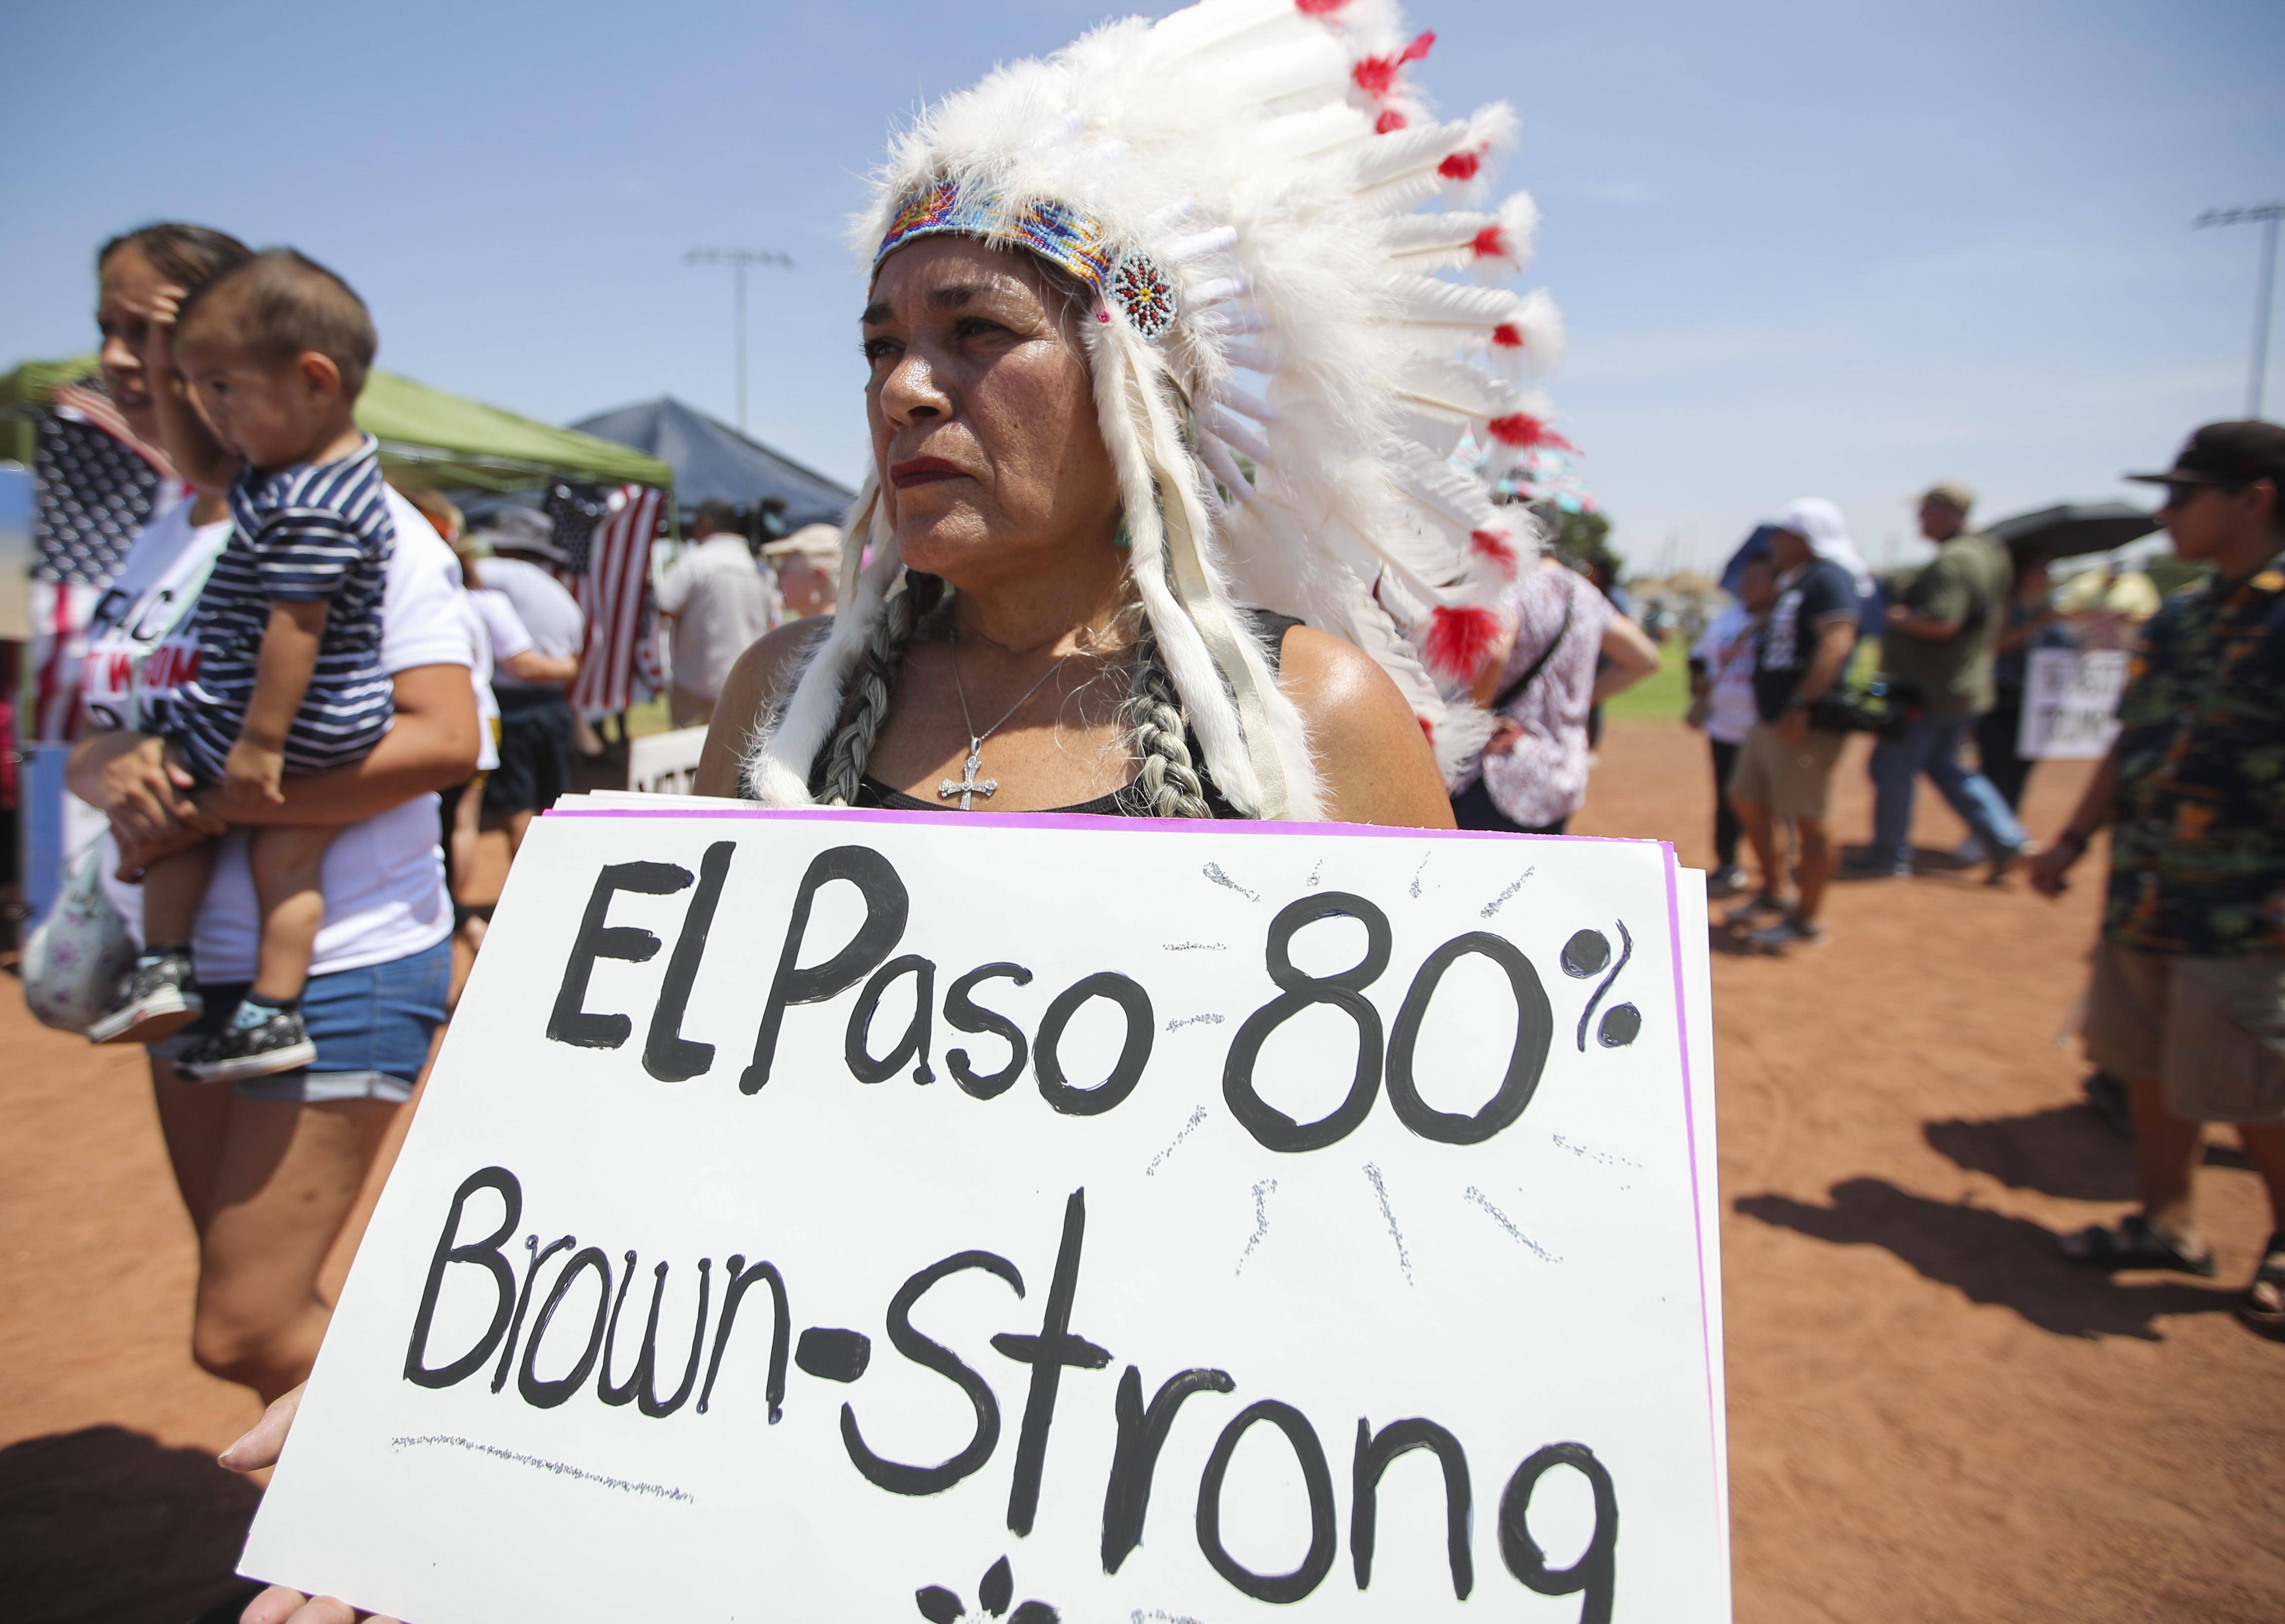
(1931, 1418)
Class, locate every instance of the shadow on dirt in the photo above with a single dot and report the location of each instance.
(111, 1525)
(1989, 1258)
(2064, 1150)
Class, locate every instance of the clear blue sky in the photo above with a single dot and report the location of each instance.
(1818, 247)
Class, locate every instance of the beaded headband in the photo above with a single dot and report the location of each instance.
(1063, 238)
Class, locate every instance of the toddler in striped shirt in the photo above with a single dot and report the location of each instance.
(256, 377)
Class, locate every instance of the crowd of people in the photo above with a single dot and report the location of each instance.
(311, 690)
(2185, 1011)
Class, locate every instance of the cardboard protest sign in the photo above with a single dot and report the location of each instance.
(868, 1215)
(666, 763)
(2070, 703)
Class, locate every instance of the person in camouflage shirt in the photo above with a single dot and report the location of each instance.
(2197, 838)
(2187, 1001)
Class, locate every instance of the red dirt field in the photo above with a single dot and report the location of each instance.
(1931, 1418)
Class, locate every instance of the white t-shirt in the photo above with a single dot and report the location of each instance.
(553, 619)
(140, 642)
(1725, 649)
(383, 879)
(480, 678)
(722, 604)
(503, 625)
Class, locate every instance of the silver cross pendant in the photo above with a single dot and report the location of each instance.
(967, 785)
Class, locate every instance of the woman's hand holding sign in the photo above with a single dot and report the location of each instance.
(258, 1449)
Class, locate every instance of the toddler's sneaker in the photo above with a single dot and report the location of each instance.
(280, 1043)
(157, 999)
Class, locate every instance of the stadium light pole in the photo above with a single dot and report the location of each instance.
(738, 259)
(2267, 216)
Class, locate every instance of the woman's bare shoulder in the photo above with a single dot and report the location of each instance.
(1371, 753)
(763, 677)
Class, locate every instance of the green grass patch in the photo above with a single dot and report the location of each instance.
(1663, 697)
(649, 717)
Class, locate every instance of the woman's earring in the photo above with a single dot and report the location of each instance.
(1121, 539)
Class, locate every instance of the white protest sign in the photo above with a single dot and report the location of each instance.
(2070, 703)
(666, 763)
(869, 1215)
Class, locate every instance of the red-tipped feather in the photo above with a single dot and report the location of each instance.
(1460, 639)
(1523, 431)
(1497, 545)
(1427, 730)
(1461, 166)
(1389, 121)
(1318, 8)
(1507, 335)
(1490, 243)
(1376, 76)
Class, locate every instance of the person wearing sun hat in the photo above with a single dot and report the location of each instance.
(2189, 996)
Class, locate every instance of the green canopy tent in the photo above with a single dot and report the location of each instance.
(427, 437)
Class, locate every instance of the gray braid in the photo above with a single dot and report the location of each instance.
(1169, 781)
(852, 741)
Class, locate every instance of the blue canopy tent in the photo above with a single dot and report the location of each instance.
(713, 462)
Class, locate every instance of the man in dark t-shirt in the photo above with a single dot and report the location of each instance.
(1785, 767)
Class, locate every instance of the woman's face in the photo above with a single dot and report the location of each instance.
(122, 315)
(985, 436)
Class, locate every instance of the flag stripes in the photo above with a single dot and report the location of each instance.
(614, 596)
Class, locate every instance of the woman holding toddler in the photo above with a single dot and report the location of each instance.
(271, 1162)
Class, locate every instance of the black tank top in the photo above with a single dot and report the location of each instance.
(1270, 629)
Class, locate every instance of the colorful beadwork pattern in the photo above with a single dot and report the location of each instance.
(1145, 291)
(1058, 235)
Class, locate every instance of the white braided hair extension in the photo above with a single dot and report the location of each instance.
(851, 745)
(1205, 696)
(1270, 726)
(786, 741)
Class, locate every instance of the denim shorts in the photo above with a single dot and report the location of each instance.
(371, 1026)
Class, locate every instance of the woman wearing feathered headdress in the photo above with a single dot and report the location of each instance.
(1075, 577)
(1158, 373)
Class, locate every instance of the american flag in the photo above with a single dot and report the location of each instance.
(97, 485)
(576, 510)
(614, 591)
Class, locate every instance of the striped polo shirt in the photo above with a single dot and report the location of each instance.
(314, 532)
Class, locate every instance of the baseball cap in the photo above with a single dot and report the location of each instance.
(1953, 494)
(2225, 454)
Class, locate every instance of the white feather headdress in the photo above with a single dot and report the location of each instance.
(1281, 371)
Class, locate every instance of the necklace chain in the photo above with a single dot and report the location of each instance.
(967, 787)
(976, 739)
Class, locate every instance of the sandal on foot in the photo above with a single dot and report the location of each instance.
(2132, 1243)
(2263, 1306)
